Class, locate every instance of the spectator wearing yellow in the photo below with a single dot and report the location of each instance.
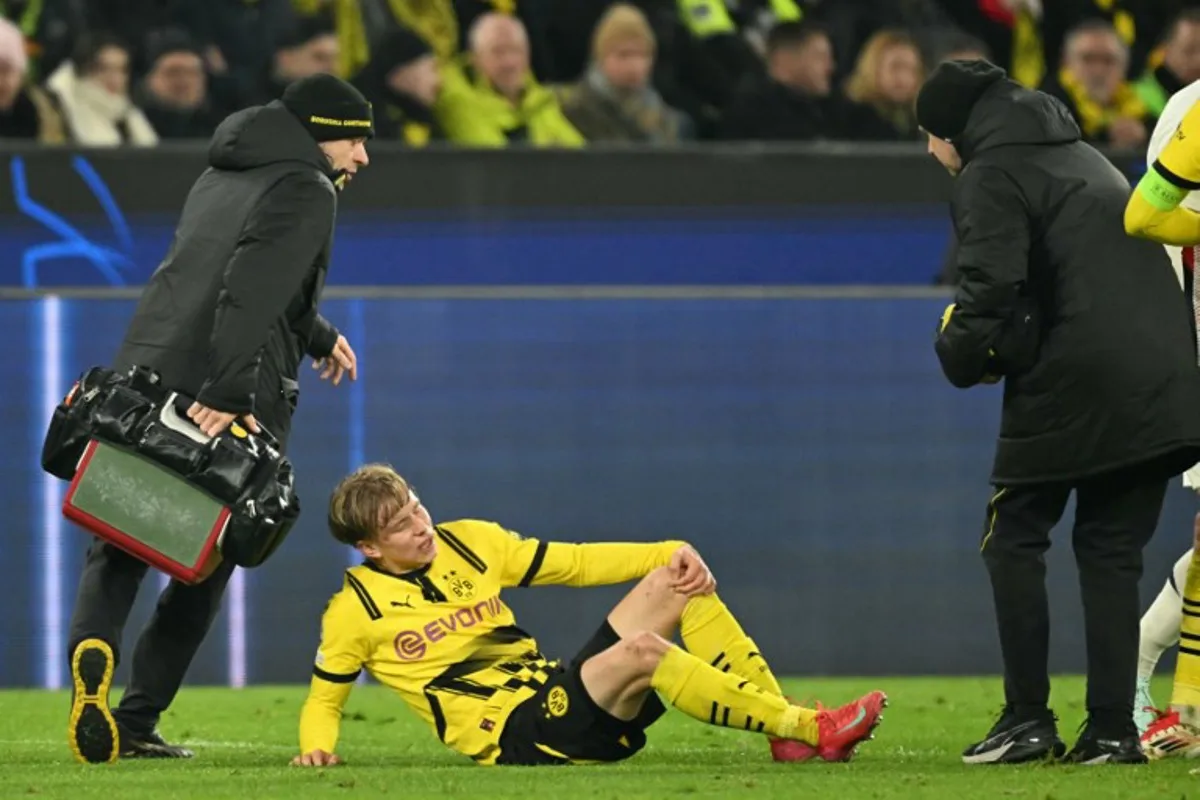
(728, 43)
(435, 22)
(883, 89)
(1091, 82)
(491, 98)
(751, 20)
(1180, 64)
(25, 111)
(402, 82)
(361, 24)
(1031, 35)
(615, 101)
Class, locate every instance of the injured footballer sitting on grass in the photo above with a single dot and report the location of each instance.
(423, 614)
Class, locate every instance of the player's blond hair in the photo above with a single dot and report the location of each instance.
(364, 501)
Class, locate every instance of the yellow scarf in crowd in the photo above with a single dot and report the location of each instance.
(1093, 117)
(1029, 52)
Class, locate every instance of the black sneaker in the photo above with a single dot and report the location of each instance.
(1018, 739)
(91, 730)
(1097, 747)
(138, 744)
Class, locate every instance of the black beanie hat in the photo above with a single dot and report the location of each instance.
(945, 101)
(329, 108)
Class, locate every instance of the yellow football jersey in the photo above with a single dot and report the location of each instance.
(1180, 155)
(442, 637)
(1163, 207)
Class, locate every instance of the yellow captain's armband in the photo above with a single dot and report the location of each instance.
(1160, 192)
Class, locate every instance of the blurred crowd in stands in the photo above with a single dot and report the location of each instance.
(566, 73)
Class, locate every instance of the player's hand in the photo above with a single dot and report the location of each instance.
(316, 758)
(338, 363)
(690, 576)
(212, 422)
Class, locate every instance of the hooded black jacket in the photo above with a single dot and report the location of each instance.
(231, 312)
(1089, 326)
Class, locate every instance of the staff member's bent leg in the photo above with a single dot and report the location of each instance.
(107, 589)
(161, 658)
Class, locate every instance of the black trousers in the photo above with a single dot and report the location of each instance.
(181, 619)
(1116, 516)
(107, 589)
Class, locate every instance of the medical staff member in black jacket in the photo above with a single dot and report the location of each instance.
(227, 319)
(1092, 336)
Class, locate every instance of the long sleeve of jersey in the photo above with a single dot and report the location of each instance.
(340, 658)
(321, 717)
(1153, 211)
(529, 562)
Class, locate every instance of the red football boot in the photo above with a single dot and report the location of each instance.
(787, 751)
(840, 730)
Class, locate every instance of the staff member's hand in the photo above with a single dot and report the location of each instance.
(212, 422)
(316, 758)
(338, 363)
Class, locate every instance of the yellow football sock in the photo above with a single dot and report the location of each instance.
(710, 632)
(1187, 664)
(719, 698)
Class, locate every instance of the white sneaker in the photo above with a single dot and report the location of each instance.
(1144, 711)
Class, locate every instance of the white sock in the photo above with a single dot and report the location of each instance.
(1160, 623)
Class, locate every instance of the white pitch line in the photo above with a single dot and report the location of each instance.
(183, 743)
(238, 745)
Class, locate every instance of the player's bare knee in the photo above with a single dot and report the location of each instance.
(646, 650)
(657, 586)
(657, 582)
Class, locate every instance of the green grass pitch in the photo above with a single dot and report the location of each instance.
(244, 739)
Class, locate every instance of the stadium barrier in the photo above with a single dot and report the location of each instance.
(716, 215)
(803, 439)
